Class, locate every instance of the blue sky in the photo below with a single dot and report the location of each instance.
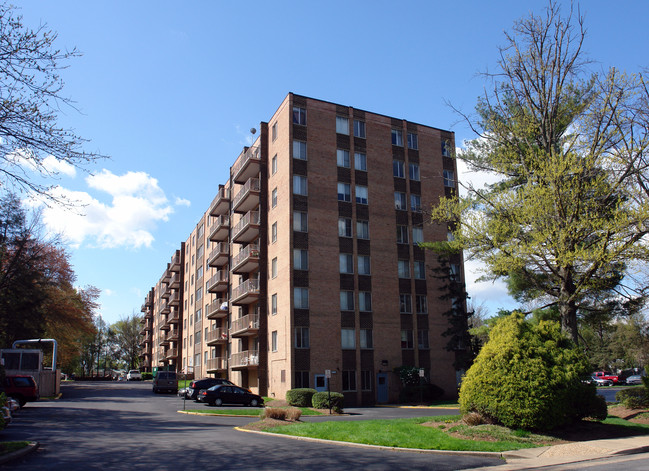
(169, 91)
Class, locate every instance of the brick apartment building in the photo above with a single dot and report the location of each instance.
(307, 261)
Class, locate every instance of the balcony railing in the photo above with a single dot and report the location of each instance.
(216, 364)
(245, 359)
(221, 203)
(246, 260)
(246, 293)
(175, 262)
(171, 353)
(218, 309)
(216, 336)
(174, 281)
(219, 255)
(219, 231)
(245, 326)
(247, 229)
(248, 197)
(218, 282)
(247, 165)
(174, 299)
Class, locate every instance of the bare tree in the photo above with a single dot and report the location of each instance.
(31, 100)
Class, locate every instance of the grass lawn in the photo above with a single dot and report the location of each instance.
(246, 411)
(439, 433)
(10, 447)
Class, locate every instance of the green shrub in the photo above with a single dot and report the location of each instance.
(3, 402)
(527, 376)
(320, 400)
(147, 375)
(633, 398)
(300, 397)
(421, 392)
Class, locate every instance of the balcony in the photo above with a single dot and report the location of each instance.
(246, 293)
(174, 282)
(245, 326)
(216, 365)
(173, 318)
(219, 255)
(247, 165)
(216, 337)
(218, 282)
(219, 230)
(172, 335)
(171, 354)
(164, 292)
(221, 203)
(164, 325)
(246, 260)
(218, 309)
(165, 308)
(247, 229)
(245, 359)
(163, 341)
(174, 299)
(247, 198)
(175, 262)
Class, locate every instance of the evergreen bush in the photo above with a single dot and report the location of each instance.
(633, 398)
(147, 375)
(528, 376)
(300, 397)
(320, 400)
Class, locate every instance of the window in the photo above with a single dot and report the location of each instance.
(199, 294)
(273, 304)
(413, 171)
(199, 272)
(366, 380)
(399, 168)
(273, 233)
(342, 158)
(449, 178)
(299, 150)
(405, 304)
(201, 231)
(198, 360)
(346, 300)
(205, 357)
(274, 340)
(301, 379)
(446, 148)
(420, 270)
(301, 298)
(397, 137)
(344, 192)
(415, 203)
(348, 338)
(402, 234)
(359, 128)
(300, 259)
(273, 165)
(406, 338)
(299, 116)
(342, 125)
(273, 198)
(301, 337)
(366, 338)
(363, 264)
(273, 268)
(360, 161)
(300, 221)
(455, 272)
(346, 263)
(361, 194)
(344, 227)
(450, 237)
(417, 235)
(274, 131)
(299, 185)
(363, 229)
(365, 301)
(422, 339)
(413, 141)
(404, 269)
(421, 304)
(400, 201)
(349, 381)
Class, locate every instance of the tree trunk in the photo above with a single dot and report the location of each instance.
(567, 306)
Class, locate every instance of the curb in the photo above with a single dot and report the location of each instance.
(207, 414)
(483, 454)
(30, 448)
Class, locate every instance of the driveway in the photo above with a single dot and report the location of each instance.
(124, 426)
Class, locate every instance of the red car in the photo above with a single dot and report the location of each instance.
(22, 388)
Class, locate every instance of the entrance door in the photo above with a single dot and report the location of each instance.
(382, 388)
(320, 383)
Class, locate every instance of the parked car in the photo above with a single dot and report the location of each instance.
(22, 388)
(601, 382)
(6, 415)
(226, 394)
(134, 375)
(634, 379)
(165, 381)
(607, 375)
(205, 383)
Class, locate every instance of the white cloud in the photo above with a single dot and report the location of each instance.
(107, 292)
(138, 204)
(182, 202)
(56, 166)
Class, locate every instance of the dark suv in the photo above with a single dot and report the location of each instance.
(22, 388)
(205, 383)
